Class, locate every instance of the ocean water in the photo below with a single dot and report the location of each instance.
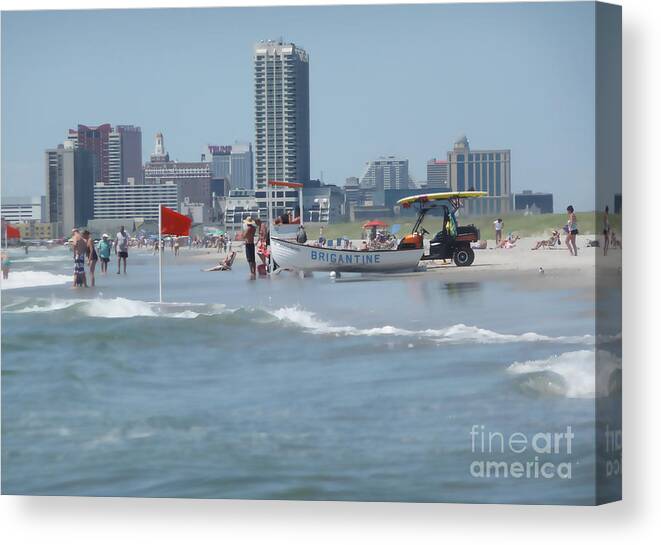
(377, 388)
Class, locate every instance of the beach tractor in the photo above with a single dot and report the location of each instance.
(452, 241)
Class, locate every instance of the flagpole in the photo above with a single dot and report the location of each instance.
(160, 254)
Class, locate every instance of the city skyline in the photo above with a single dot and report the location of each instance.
(461, 69)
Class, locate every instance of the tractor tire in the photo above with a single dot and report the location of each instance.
(464, 256)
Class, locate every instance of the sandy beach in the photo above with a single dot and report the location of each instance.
(518, 264)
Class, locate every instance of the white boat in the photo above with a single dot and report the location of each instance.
(302, 257)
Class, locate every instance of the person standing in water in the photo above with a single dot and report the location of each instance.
(79, 245)
(6, 265)
(606, 227)
(92, 256)
(122, 248)
(104, 253)
(249, 240)
(572, 231)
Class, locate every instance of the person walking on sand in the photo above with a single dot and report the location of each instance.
(249, 240)
(176, 246)
(572, 231)
(498, 226)
(606, 227)
(122, 248)
(92, 256)
(104, 253)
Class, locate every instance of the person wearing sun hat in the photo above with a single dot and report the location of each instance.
(249, 240)
(104, 252)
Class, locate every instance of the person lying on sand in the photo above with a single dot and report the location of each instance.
(225, 265)
(509, 242)
(548, 243)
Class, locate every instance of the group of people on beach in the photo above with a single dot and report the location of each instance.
(256, 228)
(86, 252)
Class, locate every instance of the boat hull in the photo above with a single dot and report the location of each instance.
(301, 257)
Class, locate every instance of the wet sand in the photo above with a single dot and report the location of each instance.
(520, 264)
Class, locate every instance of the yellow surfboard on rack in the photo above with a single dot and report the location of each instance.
(442, 196)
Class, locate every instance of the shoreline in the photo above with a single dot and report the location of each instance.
(519, 265)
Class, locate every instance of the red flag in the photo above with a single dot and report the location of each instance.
(174, 223)
(13, 232)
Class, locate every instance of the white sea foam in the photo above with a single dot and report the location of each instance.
(46, 306)
(580, 376)
(30, 279)
(43, 259)
(119, 307)
(458, 333)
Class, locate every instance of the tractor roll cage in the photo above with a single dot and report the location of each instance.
(426, 206)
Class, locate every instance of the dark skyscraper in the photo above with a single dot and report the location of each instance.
(69, 187)
(118, 151)
(97, 141)
(131, 153)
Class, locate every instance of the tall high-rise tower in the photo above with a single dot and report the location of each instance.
(117, 151)
(282, 113)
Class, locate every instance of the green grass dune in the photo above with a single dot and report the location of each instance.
(589, 223)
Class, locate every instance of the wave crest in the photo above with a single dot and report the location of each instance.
(31, 279)
(457, 333)
(579, 374)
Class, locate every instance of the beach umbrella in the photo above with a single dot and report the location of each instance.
(375, 223)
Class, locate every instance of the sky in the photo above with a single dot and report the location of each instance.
(403, 80)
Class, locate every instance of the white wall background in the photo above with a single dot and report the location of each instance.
(635, 520)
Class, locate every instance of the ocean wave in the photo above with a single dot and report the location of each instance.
(44, 259)
(120, 307)
(31, 279)
(457, 333)
(307, 321)
(571, 374)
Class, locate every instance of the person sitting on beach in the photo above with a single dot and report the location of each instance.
(283, 219)
(301, 235)
(548, 243)
(509, 242)
(225, 265)
(615, 243)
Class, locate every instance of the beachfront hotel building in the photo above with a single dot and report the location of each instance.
(233, 163)
(70, 176)
(113, 201)
(534, 202)
(117, 151)
(481, 170)
(438, 174)
(386, 173)
(22, 209)
(282, 113)
(193, 179)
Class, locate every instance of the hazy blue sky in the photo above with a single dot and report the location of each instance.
(384, 80)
